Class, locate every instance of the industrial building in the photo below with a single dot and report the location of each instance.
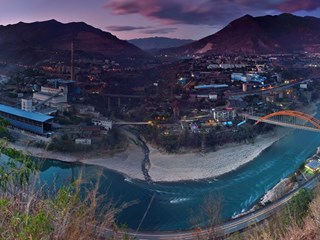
(30, 121)
(248, 78)
(56, 93)
(26, 105)
(209, 86)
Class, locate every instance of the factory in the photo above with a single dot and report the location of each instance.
(29, 121)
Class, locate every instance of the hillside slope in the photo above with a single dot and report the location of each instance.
(51, 40)
(258, 35)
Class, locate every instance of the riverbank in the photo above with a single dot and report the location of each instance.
(172, 167)
(127, 162)
(285, 186)
(195, 166)
(168, 167)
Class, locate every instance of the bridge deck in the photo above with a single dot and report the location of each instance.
(283, 124)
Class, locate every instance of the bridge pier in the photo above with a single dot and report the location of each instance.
(115, 100)
(203, 144)
(109, 104)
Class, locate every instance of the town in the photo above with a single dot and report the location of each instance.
(159, 119)
(197, 102)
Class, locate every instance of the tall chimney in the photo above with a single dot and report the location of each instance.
(72, 61)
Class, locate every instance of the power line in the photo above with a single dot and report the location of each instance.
(145, 214)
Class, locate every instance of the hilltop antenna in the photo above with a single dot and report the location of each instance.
(72, 61)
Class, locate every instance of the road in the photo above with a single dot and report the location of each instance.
(131, 123)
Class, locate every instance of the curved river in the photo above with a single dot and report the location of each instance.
(175, 206)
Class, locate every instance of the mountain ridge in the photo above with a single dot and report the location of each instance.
(258, 35)
(157, 43)
(34, 42)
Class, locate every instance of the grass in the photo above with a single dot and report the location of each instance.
(308, 172)
(71, 212)
(299, 221)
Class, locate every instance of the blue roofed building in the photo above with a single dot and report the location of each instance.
(30, 121)
(314, 166)
(216, 86)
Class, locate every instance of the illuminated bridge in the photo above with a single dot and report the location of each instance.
(289, 118)
(133, 123)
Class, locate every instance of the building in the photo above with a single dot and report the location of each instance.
(314, 166)
(256, 79)
(91, 131)
(83, 141)
(252, 78)
(73, 89)
(56, 93)
(30, 121)
(210, 86)
(26, 105)
(213, 96)
(105, 123)
(51, 96)
(224, 115)
(238, 77)
(88, 110)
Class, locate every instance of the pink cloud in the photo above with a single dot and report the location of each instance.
(209, 12)
(297, 5)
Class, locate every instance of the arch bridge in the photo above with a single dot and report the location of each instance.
(289, 118)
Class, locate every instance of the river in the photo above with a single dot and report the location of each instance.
(176, 206)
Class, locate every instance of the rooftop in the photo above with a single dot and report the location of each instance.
(29, 115)
(62, 81)
(211, 86)
(45, 94)
(313, 165)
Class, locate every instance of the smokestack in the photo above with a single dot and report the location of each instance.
(72, 61)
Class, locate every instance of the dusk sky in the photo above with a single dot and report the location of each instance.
(189, 19)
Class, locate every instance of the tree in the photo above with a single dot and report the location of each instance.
(170, 143)
(4, 133)
(298, 206)
(211, 215)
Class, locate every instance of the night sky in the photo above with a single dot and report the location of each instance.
(189, 19)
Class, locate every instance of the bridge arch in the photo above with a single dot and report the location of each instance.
(300, 115)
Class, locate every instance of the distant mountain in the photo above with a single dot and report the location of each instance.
(258, 35)
(156, 43)
(51, 40)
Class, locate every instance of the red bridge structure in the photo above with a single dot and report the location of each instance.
(289, 118)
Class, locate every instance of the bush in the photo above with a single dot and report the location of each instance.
(71, 213)
(298, 206)
(27, 211)
(299, 220)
